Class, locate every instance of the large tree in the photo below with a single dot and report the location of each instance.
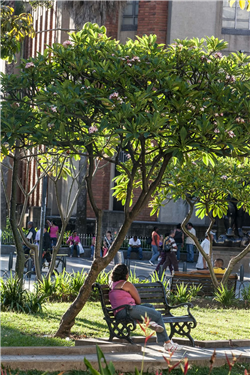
(151, 102)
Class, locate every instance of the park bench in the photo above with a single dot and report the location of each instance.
(195, 279)
(155, 294)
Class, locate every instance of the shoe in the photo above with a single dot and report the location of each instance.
(152, 264)
(78, 256)
(172, 347)
(70, 256)
(156, 327)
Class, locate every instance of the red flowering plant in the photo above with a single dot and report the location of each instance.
(145, 327)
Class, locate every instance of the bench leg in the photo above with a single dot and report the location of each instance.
(183, 330)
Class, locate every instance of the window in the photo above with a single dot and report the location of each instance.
(235, 20)
(130, 16)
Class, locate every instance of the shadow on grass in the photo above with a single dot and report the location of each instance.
(14, 337)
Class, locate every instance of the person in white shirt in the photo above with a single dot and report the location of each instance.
(134, 245)
(201, 263)
(190, 243)
(37, 238)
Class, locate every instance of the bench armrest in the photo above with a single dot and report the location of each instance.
(188, 304)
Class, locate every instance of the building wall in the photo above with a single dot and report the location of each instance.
(188, 19)
(153, 19)
(192, 19)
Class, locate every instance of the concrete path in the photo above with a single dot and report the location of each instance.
(125, 357)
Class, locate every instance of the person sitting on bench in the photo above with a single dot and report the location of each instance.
(122, 292)
(218, 267)
(134, 245)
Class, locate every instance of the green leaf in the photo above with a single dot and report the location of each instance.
(183, 134)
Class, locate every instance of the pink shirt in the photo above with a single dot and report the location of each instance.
(120, 297)
(73, 240)
(53, 232)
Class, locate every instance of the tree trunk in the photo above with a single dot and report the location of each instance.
(99, 264)
(81, 213)
(4, 208)
(13, 220)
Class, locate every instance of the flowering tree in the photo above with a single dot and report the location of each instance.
(151, 102)
(205, 186)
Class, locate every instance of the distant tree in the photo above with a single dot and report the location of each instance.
(53, 163)
(206, 185)
(14, 28)
(153, 103)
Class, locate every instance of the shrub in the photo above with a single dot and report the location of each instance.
(225, 296)
(246, 293)
(15, 298)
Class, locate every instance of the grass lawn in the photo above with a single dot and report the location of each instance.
(37, 330)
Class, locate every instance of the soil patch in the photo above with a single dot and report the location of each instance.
(210, 303)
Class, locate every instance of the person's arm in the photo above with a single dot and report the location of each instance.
(49, 223)
(69, 239)
(77, 240)
(138, 244)
(204, 263)
(156, 240)
(128, 287)
(182, 245)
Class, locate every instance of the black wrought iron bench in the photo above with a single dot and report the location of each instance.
(155, 294)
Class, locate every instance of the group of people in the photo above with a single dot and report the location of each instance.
(167, 250)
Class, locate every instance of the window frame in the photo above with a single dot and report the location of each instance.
(132, 27)
(234, 30)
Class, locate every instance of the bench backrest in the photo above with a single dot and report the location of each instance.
(153, 293)
(190, 279)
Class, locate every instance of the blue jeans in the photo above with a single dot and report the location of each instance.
(179, 245)
(72, 247)
(190, 252)
(53, 241)
(134, 249)
(92, 247)
(155, 253)
(137, 311)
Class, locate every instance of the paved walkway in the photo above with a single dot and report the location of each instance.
(141, 269)
(124, 356)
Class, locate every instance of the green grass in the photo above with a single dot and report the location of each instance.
(37, 330)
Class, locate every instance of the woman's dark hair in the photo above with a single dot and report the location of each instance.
(119, 272)
(178, 226)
